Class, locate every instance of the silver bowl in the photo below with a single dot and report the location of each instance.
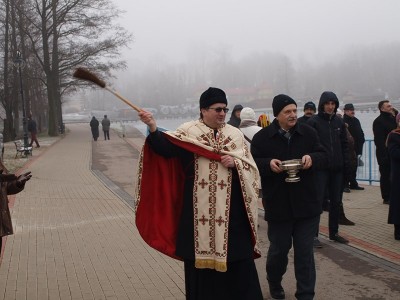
(292, 167)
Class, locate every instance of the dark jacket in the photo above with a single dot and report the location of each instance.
(32, 128)
(381, 127)
(287, 201)
(94, 126)
(332, 133)
(7, 188)
(303, 119)
(355, 129)
(393, 145)
(234, 121)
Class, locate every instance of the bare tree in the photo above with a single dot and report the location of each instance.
(64, 34)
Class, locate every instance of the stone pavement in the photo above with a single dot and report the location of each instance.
(75, 236)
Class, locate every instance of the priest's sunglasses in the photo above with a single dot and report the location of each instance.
(219, 109)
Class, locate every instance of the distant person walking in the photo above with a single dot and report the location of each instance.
(32, 128)
(105, 123)
(393, 145)
(94, 127)
(381, 127)
(235, 116)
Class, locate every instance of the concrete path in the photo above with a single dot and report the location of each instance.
(75, 236)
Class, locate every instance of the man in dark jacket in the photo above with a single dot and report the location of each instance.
(235, 116)
(292, 209)
(381, 127)
(32, 128)
(332, 133)
(355, 129)
(94, 127)
(309, 111)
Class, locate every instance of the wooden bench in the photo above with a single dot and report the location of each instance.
(21, 150)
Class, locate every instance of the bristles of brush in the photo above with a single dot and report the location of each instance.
(82, 73)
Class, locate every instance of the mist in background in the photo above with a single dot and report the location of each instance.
(255, 50)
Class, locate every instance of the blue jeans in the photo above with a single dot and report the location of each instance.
(333, 182)
(281, 236)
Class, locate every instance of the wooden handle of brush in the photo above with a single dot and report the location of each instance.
(138, 109)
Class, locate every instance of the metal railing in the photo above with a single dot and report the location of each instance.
(369, 171)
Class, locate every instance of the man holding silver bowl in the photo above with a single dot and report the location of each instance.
(287, 154)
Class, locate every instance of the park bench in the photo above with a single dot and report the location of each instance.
(21, 150)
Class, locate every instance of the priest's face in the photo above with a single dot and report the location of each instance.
(214, 116)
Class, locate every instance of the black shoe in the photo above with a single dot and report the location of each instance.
(358, 188)
(346, 190)
(337, 238)
(276, 291)
(345, 221)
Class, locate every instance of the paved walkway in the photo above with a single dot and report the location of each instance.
(75, 239)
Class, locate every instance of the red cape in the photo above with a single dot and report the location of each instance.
(161, 196)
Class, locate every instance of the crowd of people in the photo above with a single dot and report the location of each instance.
(212, 173)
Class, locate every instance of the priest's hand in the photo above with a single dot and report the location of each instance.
(307, 162)
(227, 161)
(148, 119)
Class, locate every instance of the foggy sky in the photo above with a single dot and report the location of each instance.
(303, 29)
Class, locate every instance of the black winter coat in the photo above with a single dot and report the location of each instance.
(285, 201)
(332, 133)
(381, 127)
(355, 129)
(393, 145)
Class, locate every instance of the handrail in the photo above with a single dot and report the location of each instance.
(370, 170)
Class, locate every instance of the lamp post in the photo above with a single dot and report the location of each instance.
(19, 63)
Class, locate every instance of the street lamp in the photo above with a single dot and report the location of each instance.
(19, 62)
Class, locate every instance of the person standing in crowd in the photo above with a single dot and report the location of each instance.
(355, 129)
(32, 128)
(381, 127)
(292, 210)
(309, 111)
(94, 127)
(10, 184)
(105, 124)
(204, 210)
(352, 166)
(248, 124)
(332, 133)
(235, 116)
(393, 145)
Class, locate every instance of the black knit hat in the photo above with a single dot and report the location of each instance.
(211, 96)
(310, 105)
(279, 103)
(348, 106)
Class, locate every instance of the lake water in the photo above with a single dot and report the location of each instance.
(368, 173)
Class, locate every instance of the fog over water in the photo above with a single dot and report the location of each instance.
(256, 49)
